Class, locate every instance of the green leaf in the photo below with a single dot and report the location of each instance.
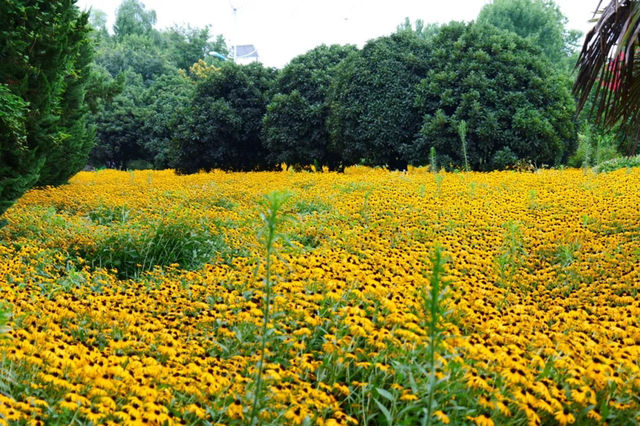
(385, 410)
(386, 394)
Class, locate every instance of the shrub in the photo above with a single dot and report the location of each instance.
(294, 130)
(504, 89)
(170, 241)
(371, 100)
(618, 163)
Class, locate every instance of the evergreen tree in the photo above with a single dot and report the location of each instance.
(71, 152)
(39, 43)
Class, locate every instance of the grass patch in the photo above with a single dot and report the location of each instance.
(131, 252)
(618, 163)
(306, 207)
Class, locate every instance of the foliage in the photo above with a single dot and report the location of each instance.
(594, 146)
(188, 45)
(505, 91)
(222, 129)
(13, 132)
(39, 45)
(180, 241)
(120, 127)
(139, 53)
(272, 218)
(618, 163)
(5, 316)
(539, 21)
(166, 102)
(147, 87)
(421, 29)
(371, 100)
(71, 151)
(462, 132)
(133, 19)
(434, 305)
(294, 130)
(608, 69)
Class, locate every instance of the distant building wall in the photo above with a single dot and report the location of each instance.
(246, 54)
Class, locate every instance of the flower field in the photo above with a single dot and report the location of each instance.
(396, 298)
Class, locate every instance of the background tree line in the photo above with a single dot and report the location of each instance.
(506, 78)
(486, 94)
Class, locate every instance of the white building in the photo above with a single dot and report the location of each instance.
(245, 54)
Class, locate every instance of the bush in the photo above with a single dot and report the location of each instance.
(170, 241)
(506, 92)
(371, 100)
(294, 130)
(222, 128)
(618, 163)
(594, 146)
(504, 158)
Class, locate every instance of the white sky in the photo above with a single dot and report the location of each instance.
(283, 29)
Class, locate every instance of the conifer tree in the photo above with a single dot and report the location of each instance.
(39, 42)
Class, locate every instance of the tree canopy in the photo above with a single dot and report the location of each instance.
(539, 21)
(371, 100)
(222, 129)
(515, 106)
(294, 125)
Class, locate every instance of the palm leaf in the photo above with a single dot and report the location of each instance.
(609, 66)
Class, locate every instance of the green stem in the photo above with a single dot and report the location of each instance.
(434, 337)
(265, 322)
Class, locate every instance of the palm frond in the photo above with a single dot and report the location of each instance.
(609, 65)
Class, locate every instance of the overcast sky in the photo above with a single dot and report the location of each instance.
(283, 29)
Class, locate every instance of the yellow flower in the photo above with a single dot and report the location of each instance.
(235, 410)
(408, 397)
(481, 420)
(564, 417)
(440, 415)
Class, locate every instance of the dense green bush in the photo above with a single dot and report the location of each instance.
(371, 100)
(177, 241)
(39, 45)
(294, 129)
(222, 128)
(515, 105)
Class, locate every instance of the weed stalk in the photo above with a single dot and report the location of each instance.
(271, 218)
(433, 304)
(462, 132)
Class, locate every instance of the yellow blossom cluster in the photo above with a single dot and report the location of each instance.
(543, 274)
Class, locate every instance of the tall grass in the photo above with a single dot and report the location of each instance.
(5, 315)
(173, 240)
(432, 159)
(272, 219)
(433, 304)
